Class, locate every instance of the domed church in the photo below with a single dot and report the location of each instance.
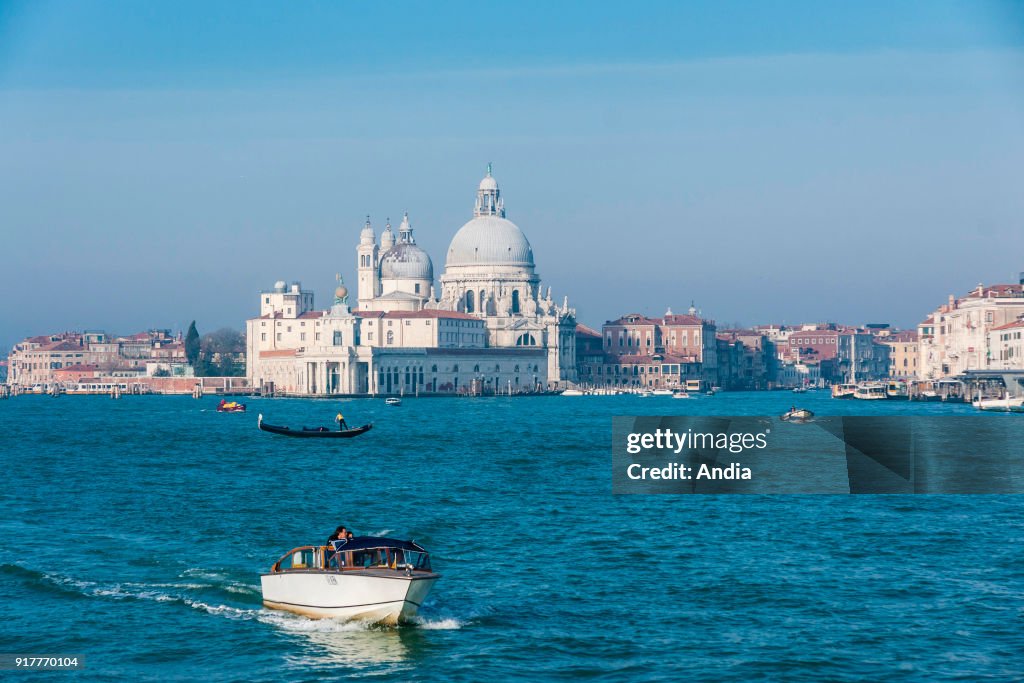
(489, 273)
(490, 330)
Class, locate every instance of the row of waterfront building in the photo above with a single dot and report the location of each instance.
(490, 327)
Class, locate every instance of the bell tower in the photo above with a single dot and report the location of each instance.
(369, 268)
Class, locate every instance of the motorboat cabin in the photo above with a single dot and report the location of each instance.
(367, 578)
(870, 392)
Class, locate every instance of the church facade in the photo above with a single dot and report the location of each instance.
(488, 328)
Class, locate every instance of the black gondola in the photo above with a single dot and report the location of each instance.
(317, 432)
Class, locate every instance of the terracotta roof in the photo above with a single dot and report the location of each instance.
(62, 346)
(640, 320)
(995, 290)
(584, 331)
(928, 321)
(1008, 326)
(278, 353)
(276, 315)
(426, 313)
(79, 367)
(682, 320)
(899, 337)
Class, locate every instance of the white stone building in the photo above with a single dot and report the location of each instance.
(1006, 344)
(958, 335)
(490, 330)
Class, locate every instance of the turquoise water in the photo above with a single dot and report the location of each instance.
(135, 532)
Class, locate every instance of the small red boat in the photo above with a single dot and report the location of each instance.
(230, 407)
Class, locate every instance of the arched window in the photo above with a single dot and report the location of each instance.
(469, 301)
(526, 339)
(455, 368)
(516, 369)
(497, 368)
(476, 368)
(391, 336)
(515, 300)
(433, 368)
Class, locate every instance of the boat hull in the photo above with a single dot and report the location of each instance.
(376, 596)
(320, 433)
(1000, 405)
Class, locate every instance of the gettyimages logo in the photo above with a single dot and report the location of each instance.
(890, 454)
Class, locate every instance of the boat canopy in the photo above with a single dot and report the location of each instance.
(364, 542)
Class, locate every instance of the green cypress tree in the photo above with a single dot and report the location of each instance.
(192, 347)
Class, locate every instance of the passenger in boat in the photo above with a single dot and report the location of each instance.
(340, 534)
(342, 425)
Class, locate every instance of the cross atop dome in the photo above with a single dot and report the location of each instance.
(488, 197)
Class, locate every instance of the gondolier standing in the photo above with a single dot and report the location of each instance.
(340, 419)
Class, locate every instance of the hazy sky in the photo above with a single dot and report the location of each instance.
(779, 162)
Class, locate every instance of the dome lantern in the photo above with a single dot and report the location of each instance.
(488, 197)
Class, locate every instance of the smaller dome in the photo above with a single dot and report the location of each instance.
(406, 261)
(279, 286)
(341, 292)
(488, 183)
(387, 238)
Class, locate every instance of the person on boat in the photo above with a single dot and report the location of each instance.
(340, 534)
(340, 419)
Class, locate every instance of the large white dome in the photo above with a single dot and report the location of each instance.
(490, 240)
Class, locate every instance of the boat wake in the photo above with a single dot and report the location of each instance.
(193, 591)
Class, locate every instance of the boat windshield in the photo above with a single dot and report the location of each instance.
(384, 557)
(300, 558)
(417, 560)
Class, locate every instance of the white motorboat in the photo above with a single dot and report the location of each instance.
(872, 391)
(663, 392)
(680, 394)
(367, 578)
(799, 390)
(393, 401)
(896, 391)
(572, 392)
(797, 415)
(1010, 404)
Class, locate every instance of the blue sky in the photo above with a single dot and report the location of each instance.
(775, 162)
